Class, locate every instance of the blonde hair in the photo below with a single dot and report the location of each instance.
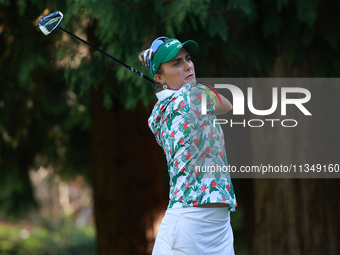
(144, 57)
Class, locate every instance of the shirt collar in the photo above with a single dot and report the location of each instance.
(164, 94)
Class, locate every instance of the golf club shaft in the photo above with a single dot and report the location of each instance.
(103, 52)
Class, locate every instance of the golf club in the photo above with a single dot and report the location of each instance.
(51, 22)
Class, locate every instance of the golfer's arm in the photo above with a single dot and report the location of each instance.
(224, 108)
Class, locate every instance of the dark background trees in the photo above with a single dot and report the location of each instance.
(69, 107)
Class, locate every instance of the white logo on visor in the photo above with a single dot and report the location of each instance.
(179, 46)
(171, 43)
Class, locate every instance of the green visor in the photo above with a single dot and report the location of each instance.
(167, 51)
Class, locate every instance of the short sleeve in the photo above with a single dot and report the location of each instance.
(210, 102)
(203, 95)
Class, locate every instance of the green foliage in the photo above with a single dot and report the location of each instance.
(4, 2)
(38, 125)
(247, 7)
(307, 11)
(60, 240)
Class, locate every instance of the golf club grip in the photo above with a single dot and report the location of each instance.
(103, 52)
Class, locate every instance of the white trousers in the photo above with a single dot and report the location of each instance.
(195, 231)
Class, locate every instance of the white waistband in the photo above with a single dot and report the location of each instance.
(214, 213)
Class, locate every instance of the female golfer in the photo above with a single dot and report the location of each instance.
(197, 219)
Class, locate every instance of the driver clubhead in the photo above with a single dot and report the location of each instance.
(50, 22)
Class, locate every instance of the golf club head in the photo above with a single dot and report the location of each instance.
(50, 22)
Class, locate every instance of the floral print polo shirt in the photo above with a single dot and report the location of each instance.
(192, 145)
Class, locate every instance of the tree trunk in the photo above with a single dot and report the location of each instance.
(128, 178)
(298, 216)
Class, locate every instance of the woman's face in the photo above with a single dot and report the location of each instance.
(178, 71)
